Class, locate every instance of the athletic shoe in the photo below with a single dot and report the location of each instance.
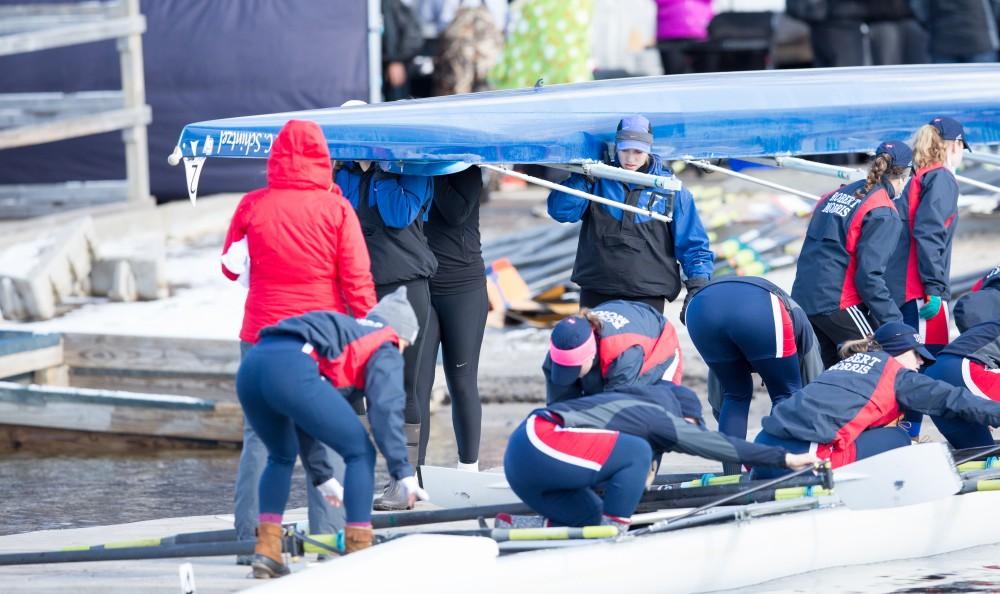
(517, 521)
(393, 498)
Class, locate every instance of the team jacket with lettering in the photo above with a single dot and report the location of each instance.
(652, 413)
(306, 250)
(636, 345)
(863, 391)
(846, 251)
(360, 356)
(982, 303)
(921, 262)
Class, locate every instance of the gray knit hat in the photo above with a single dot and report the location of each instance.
(395, 310)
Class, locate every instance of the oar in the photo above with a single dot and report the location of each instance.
(204, 549)
(743, 498)
(455, 514)
(984, 452)
(508, 534)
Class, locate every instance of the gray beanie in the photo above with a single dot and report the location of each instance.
(395, 310)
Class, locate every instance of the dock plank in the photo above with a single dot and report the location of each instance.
(187, 356)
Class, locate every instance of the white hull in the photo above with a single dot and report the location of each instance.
(700, 559)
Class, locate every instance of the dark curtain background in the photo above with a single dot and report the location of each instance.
(203, 60)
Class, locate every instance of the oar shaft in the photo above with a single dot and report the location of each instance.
(206, 549)
(457, 514)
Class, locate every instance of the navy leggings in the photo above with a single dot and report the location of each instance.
(740, 329)
(871, 442)
(934, 333)
(563, 492)
(280, 388)
(461, 323)
(959, 432)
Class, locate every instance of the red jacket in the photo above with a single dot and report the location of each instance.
(306, 248)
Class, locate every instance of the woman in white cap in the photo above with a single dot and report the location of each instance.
(623, 255)
(302, 374)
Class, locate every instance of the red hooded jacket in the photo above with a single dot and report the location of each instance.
(306, 248)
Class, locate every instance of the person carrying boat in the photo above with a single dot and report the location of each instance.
(920, 267)
(392, 209)
(851, 410)
(840, 276)
(981, 304)
(560, 453)
(623, 255)
(741, 325)
(458, 295)
(971, 361)
(303, 242)
(617, 344)
(300, 375)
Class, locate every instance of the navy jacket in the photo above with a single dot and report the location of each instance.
(981, 343)
(652, 413)
(981, 304)
(359, 356)
(863, 391)
(628, 254)
(921, 263)
(636, 345)
(392, 209)
(846, 251)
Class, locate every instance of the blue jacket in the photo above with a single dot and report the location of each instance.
(981, 304)
(392, 209)
(653, 413)
(981, 343)
(921, 263)
(846, 252)
(648, 250)
(636, 345)
(359, 357)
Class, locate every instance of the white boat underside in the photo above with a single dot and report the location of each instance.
(707, 558)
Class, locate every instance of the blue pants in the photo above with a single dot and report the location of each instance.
(959, 432)
(934, 334)
(323, 519)
(563, 492)
(281, 390)
(740, 329)
(871, 442)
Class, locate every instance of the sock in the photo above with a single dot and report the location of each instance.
(470, 467)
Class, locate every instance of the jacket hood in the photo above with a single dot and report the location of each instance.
(299, 158)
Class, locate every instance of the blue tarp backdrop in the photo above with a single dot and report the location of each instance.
(204, 60)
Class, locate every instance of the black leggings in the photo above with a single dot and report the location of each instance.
(418, 387)
(461, 323)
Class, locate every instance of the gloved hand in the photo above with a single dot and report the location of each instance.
(693, 286)
(931, 307)
(413, 491)
(333, 491)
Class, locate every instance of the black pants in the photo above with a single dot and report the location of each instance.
(837, 327)
(461, 322)
(592, 299)
(418, 387)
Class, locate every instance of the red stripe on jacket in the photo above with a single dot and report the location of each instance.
(654, 350)
(881, 409)
(347, 370)
(591, 446)
(879, 199)
(788, 347)
(914, 284)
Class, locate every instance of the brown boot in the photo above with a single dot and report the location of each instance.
(267, 561)
(357, 538)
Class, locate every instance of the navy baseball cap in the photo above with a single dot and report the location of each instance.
(634, 132)
(900, 152)
(572, 344)
(950, 130)
(896, 338)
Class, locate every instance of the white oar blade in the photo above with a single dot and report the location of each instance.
(449, 487)
(903, 476)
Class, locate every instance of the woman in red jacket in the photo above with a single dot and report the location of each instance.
(297, 244)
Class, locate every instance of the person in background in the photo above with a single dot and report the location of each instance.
(458, 295)
(298, 245)
(297, 380)
(742, 325)
(623, 255)
(980, 305)
(971, 361)
(560, 453)
(840, 278)
(469, 41)
(960, 31)
(392, 209)
(679, 23)
(850, 411)
(402, 39)
(620, 343)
